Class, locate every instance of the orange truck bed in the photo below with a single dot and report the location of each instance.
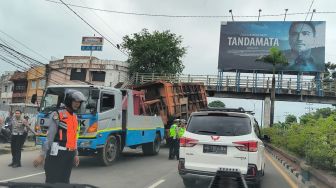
(173, 100)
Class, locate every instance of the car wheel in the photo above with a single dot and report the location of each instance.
(189, 182)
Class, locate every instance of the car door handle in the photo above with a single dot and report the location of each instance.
(113, 119)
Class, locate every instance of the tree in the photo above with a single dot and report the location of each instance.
(330, 72)
(216, 104)
(276, 58)
(323, 112)
(290, 119)
(157, 52)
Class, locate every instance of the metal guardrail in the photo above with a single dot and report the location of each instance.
(310, 86)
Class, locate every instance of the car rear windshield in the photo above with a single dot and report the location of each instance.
(219, 125)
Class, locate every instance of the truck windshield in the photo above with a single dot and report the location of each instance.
(54, 97)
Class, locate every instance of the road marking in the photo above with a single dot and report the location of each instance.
(156, 183)
(281, 171)
(21, 177)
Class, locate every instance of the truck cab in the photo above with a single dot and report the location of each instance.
(109, 120)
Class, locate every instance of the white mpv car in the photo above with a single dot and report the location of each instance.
(221, 138)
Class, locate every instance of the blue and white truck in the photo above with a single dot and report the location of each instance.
(109, 120)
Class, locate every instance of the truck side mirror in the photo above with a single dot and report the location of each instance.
(95, 94)
(92, 107)
(34, 98)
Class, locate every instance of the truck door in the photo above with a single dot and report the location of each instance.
(109, 110)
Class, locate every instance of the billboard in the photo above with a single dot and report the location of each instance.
(303, 44)
(92, 43)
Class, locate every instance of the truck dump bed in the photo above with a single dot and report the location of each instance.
(173, 100)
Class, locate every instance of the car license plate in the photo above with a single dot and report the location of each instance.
(214, 149)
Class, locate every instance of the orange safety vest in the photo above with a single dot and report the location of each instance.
(66, 134)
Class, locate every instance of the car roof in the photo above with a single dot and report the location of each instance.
(205, 113)
(228, 111)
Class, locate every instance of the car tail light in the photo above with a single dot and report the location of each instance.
(187, 142)
(252, 170)
(250, 146)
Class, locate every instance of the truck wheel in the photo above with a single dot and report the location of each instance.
(152, 148)
(110, 153)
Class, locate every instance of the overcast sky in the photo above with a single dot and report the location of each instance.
(54, 31)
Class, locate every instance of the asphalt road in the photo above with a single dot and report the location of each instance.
(132, 170)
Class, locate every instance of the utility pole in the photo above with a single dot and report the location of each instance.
(309, 108)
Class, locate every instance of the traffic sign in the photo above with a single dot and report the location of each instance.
(91, 48)
(92, 41)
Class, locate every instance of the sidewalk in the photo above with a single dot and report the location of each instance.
(28, 146)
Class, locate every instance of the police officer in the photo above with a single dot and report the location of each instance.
(25, 133)
(180, 132)
(176, 131)
(59, 151)
(172, 139)
(18, 125)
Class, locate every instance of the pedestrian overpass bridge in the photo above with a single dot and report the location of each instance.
(298, 89)
(258, 88)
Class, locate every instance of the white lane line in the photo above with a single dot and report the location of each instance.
(21, 177)
(156, 183)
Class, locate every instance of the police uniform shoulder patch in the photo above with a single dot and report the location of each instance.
(55, 116)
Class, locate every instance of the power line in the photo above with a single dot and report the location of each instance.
(190, 16)
(101, 19)
(16, 47)
(309, 9)
(24, 45)
(40, 63)
(11, 63)
(93, 28)
(6, 60)
(32, 67)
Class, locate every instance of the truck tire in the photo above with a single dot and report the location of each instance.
(152, 148)
(110, 152)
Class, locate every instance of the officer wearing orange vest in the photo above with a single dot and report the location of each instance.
(59, 151)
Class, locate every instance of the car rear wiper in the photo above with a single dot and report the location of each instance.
(210, 132)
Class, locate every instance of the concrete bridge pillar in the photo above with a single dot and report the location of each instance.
(267, 112)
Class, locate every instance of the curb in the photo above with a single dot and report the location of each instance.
(296, 174)
(309, 174)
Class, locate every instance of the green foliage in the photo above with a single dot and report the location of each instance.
(157, 52)
(216, 104)
(290, 119)
(275, 57)
(312, 117)
(313, 139)
(323, 112)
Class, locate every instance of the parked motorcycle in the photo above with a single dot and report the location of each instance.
(5, 134)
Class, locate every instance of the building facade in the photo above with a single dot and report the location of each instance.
(6, 87)
(36, 78)
(84, 70)
(20, 87)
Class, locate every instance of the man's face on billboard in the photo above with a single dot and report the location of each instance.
(301, 37)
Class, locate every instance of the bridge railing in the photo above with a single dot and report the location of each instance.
(250, 82)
